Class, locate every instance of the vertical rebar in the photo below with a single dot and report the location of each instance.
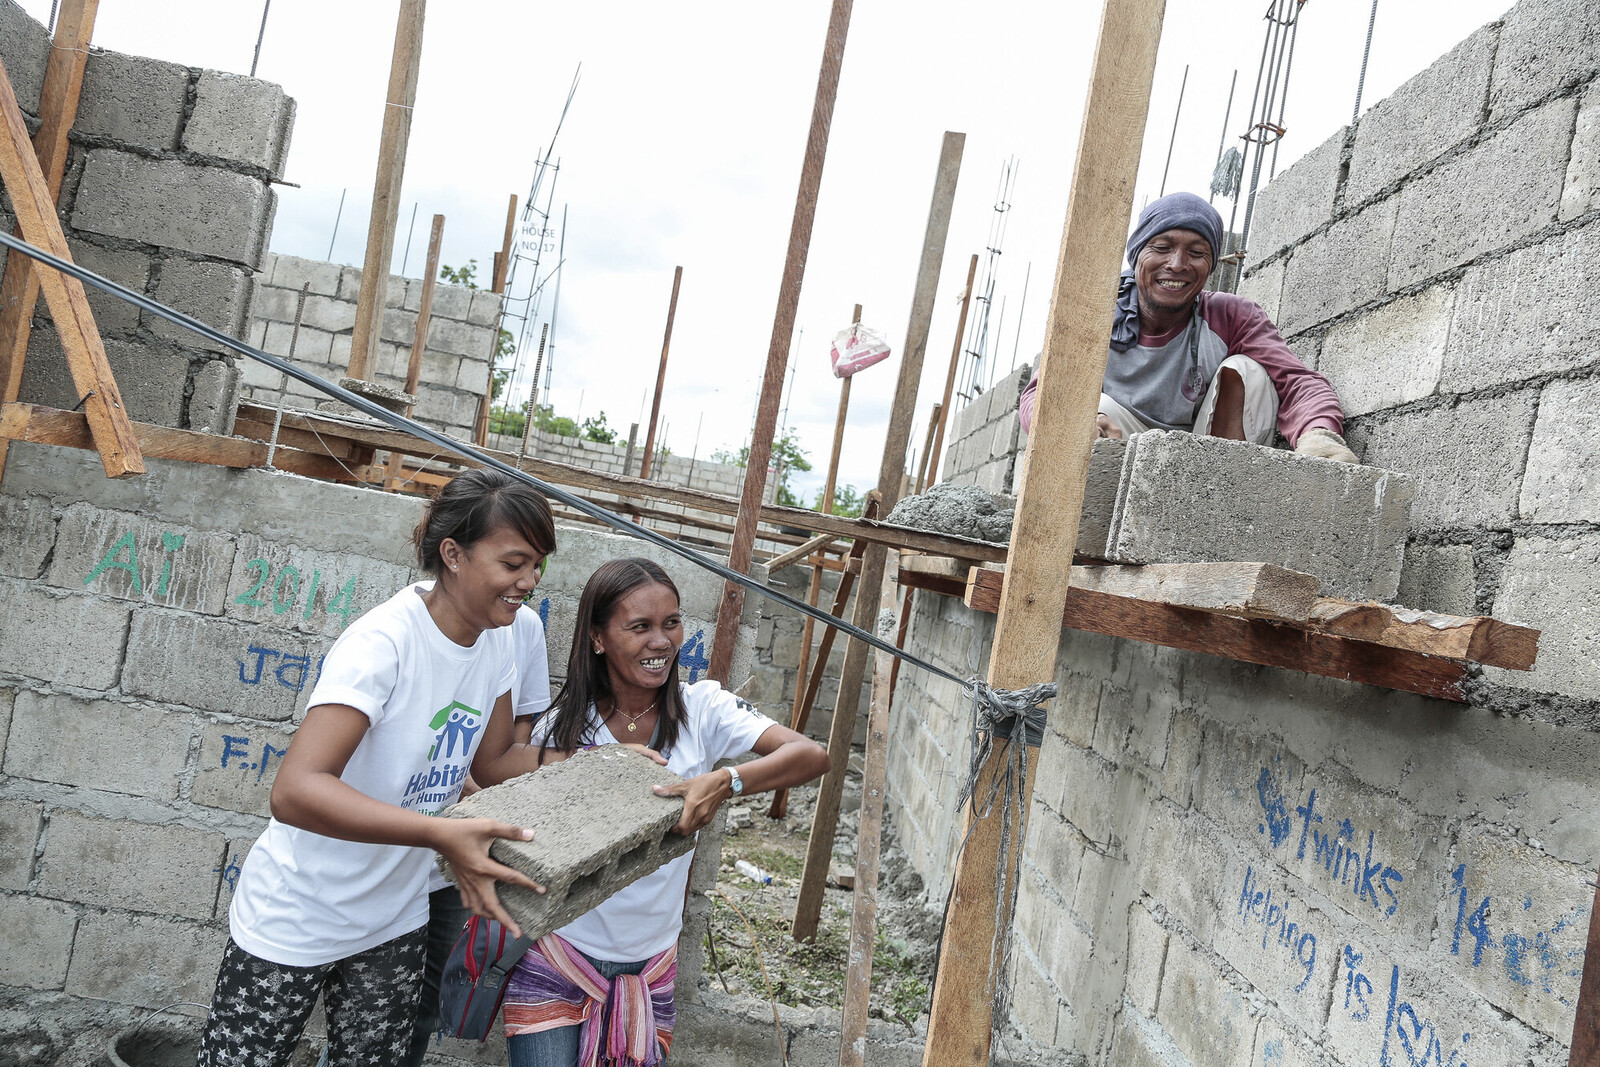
(1176, 115)
(1227, 116)
(265, 7)
(410, 231)
(1361, 82)
(336, 217)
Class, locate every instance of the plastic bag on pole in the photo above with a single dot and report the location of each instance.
(856, 348)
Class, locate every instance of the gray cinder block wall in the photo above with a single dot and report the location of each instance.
(984, 437)
(161, 637)
(1228, 864)
(455, 364)
(168, 191)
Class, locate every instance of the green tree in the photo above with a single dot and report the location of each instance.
(508, 421)
(548, 421)
(787, 456)
(847, 501)
(595, 429)
(466, 275)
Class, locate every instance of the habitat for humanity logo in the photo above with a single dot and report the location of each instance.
(439, 785)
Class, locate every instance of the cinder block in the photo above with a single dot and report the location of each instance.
(597, 828)
(1276, 1047)
(1463, 458)
(1208, 1020)
(1264, 285)
(1554, 584)
(215, 293)
(455, 302)
(1424, 118)
(304, 589)
(131, 557)
(117, 863)
(240, 119)
(20, 822)
(146, 960)
(1279, 941)
(215, 399)
(219, 665)
(399, 326)
(328, 313)
(38, 940)
(1338, 269)
(126, 268)
(232, 867)
(292, 272)
(206, 210)
(132, 100)
(485, 310)
(238, 764)
(1545, 46)
(1439, 578)
(1559, 485)
(1581, 193)
(1484, 199)
(1344, 523)
(29, 527)
(1147, 953)
(92, 743)
(1524, 314)
(59, 637)
(1532, 956)
(25, 47)
(150, 377)
(448, 335)
(1391, 355)
(1297, 201)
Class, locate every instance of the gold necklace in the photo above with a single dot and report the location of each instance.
(633, 720)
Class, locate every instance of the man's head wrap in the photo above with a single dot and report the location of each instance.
(1175, 211)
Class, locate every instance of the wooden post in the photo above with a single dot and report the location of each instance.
(927, 448)
(869, 841)
(1585, 1048)
(950, 378)
(402, 96)
(780, 799)
(58, 109)
(661, 376)
(419, 338)
(36, 215)
(794, 270)
(1028, 631)
(502, 263)
(890, 474)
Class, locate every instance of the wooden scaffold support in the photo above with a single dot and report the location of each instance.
(1028, 630)
(661, 377)
(419, 340)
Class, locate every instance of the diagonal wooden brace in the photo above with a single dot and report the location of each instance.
(35, 207)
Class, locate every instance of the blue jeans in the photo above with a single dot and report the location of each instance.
(559, 1047)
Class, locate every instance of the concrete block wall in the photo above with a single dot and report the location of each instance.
(168, 191)
(455, 364)
(162, 635)
(1228, 864)
(984, 438)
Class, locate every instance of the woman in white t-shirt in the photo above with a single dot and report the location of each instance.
(571, 999)
(334, 896)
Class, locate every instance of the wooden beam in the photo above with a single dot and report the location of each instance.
(794, 271)
(1050, 499)
(661, 378)
(927, 449)
(799, 552)
(1477, 638)
(419, 337)
(950, 376)
(69, 307)
(51, 426)
(891, 473)
(58, 109)
(1585, 1048)
(404, 66)
(869, 842)
(502, 263)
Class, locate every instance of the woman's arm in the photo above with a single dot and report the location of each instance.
(500, 756)
(786, 759)
(309, 794)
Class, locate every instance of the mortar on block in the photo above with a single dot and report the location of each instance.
(596, 826)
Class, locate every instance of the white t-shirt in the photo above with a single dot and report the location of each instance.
(645, 918)
(531, 695)
(304, 899)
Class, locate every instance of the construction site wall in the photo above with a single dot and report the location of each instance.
(161, 637)
(455, 363)
(168, 191)
(1227, 864)
(985, 437)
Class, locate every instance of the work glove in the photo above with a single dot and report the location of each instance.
(1325, 444)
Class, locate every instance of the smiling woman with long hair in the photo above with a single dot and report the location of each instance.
(599, 990)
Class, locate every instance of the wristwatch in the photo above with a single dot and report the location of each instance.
(737, 782)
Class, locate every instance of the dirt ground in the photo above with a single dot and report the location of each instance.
(811, 974)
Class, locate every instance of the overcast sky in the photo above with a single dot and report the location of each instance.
(684, 143)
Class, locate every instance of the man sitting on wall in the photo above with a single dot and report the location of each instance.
(1210, 363)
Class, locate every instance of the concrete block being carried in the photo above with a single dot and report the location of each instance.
(596, 826)
(1187, 498)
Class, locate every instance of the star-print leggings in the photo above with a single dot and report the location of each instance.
(260, 1008)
